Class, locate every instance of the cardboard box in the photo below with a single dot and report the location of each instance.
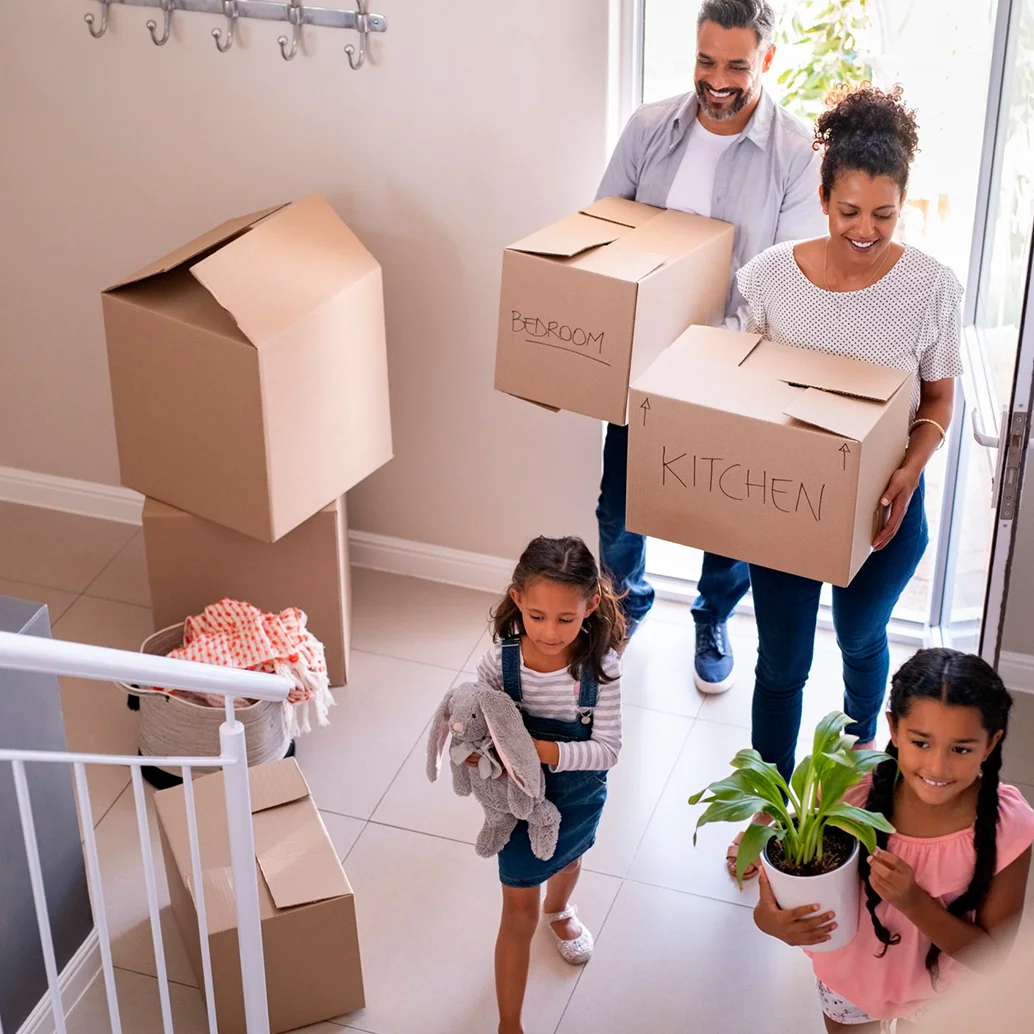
(249, 372)
(588, 303)
(192, 562)
(764, 452)
(309, 935)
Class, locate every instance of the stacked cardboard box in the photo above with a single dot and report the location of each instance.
(250, 389)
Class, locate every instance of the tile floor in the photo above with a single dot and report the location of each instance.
(677, 950)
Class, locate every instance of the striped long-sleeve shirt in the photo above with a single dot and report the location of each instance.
(554, 694)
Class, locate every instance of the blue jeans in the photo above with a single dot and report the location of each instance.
(722, 584)
(786, 609)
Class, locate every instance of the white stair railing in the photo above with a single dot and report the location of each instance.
(20, 652)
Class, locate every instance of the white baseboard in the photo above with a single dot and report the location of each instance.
(86, 498)
(379, 552)
(1017, 671)
(73, 981)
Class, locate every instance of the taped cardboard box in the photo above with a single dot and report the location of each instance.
(249, 372)
(767, 453)
(588, 303)
(192, 562)
(309, 934)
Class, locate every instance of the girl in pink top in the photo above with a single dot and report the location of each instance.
(951, 880)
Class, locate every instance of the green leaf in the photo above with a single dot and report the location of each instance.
(764, 773)
(800, 777)
(729, 811)
(753, 843)
(860, 815)
(828, 731)
(864, 834)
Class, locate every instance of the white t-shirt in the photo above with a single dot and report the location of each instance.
(693, 186)
(910, 319)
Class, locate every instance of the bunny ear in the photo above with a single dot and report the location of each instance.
(512, 741)
(438, 736)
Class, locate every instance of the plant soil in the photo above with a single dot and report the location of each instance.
(836, 849)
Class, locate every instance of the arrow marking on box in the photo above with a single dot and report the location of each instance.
(846, 450)
(645, 407)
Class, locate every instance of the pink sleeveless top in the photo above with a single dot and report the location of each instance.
(896, 985)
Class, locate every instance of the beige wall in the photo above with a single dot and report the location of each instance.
(480, 122)
(1018, 630)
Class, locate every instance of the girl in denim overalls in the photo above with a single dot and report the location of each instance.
(556, 636)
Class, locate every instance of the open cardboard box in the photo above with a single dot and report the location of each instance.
(249, 371)
(588, 303)
(309, 935)
(192, 562)
(764, 452)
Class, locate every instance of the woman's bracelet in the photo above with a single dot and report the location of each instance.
(932, 423)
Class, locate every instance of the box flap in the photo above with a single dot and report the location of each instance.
(811, 368)
(844, 416)
(286, 268)
(622, 211)
(302, 867)
(570, 236)
(620, 263)
(225, 231)
(276, 783)
(727, 347)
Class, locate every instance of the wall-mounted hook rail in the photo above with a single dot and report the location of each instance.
(293, 12)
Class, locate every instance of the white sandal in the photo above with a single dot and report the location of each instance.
(578, 951)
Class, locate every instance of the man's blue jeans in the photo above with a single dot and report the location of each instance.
(623, 553)
(786, 610)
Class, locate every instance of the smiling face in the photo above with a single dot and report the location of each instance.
(730, 63)
(863, 214)
(553, 614)
(940, 749)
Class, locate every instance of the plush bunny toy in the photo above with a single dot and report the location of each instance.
(485, 721)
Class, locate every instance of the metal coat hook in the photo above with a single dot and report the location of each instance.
(232, 12)
(363, 25)
(152, 26)
(88, 18)
(294, 16)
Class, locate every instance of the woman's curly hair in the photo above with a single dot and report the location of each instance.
(867, 129)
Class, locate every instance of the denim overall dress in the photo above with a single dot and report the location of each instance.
(579, 796)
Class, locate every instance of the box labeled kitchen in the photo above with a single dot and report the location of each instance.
(249, 370)
(309, 934)
(588, 303)
(765, 452)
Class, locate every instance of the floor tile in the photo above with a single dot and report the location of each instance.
(429, 919)
(122, 874)
(125, 578)
(139, 1007)
(381, 713)
(57, 600)
(670, 962)
(343, 831)
(123, 626)
(416, 620)
(60, 550)
(666, 856)
(657, 669)
(652, 744)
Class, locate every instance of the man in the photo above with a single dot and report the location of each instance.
(729, 152)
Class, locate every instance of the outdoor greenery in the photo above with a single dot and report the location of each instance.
(802, 811)
(829, 31)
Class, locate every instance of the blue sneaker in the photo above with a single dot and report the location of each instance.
(715, 669)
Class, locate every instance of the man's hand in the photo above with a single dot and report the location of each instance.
(894, 880)
(549, 753)
(799, 927)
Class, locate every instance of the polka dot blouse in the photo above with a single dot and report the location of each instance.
(910, 319)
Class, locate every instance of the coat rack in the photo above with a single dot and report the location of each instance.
(294, 12)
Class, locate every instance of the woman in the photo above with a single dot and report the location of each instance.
(855, 292)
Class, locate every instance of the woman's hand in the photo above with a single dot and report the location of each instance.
(548, 752)
(894, 880)
(900, 489)
(799, 927)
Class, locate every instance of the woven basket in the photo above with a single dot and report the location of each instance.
(172, 726)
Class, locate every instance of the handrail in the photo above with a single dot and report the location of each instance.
(21, 652)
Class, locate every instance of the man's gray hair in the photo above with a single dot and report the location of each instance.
(741, 14)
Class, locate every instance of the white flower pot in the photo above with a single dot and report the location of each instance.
(838, 892)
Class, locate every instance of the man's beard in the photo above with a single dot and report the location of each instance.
(739, 100)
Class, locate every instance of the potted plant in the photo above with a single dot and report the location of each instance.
(810, 849)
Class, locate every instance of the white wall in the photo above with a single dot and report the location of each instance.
(475, 124)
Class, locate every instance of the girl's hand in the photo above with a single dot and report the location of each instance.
(900, 489)
(894, 880)
(799, 927)
(548, 752)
